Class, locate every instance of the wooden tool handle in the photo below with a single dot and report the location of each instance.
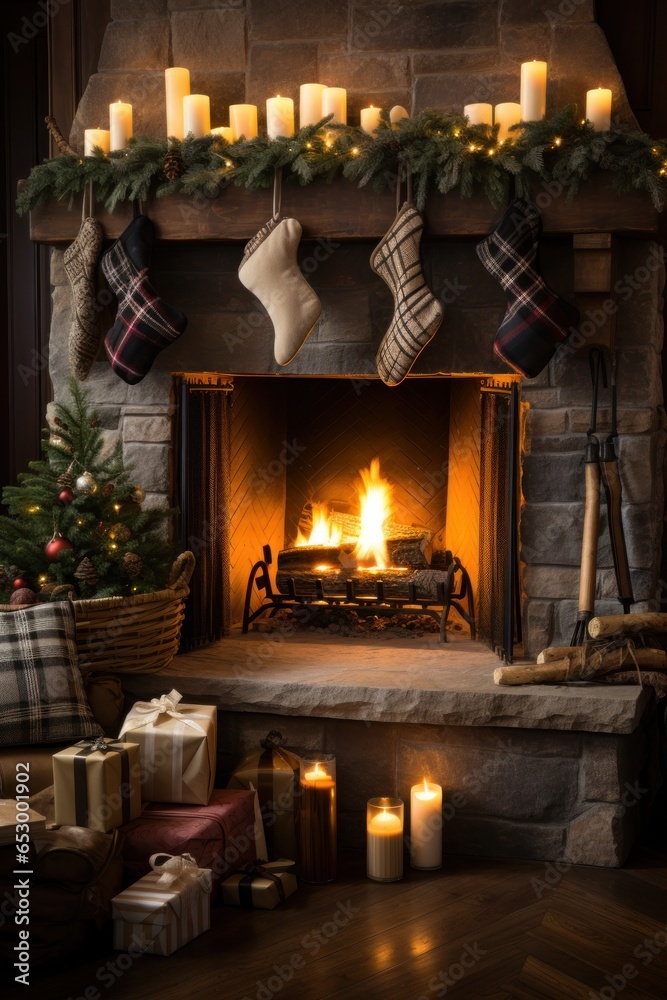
(589, 544)
(648, 621)
(612, 485)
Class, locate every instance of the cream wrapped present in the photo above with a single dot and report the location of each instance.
(96, 784)
(165, 909)
(260, 885)
(178, 748)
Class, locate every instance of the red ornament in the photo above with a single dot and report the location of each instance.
(109, 488)
(65, 496)
(57, 545)
(94, 422)
(19, 583)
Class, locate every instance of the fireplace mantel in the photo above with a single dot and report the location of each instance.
(341, 211)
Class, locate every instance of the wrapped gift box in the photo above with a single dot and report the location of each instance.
(223, 835)
(260, 885)
(274, 772)
(178, 748)
(165, 909)
(96, 784)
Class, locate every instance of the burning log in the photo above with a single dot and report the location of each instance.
(350, 525)
(396, 582)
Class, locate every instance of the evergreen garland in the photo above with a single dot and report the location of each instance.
(444, 152)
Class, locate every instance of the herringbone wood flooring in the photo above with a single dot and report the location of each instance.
(477, 930)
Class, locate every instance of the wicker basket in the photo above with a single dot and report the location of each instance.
(139, 634)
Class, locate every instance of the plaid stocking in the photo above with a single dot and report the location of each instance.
(145, 323)
(80, 263)
(417, 313)
(270, 271)
(537, 320)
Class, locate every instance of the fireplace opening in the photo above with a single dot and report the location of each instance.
(345, 507)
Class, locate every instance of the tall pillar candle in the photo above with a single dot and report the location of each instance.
(243, 120)
(506, 115)
(279, 117)
(177, 86)
(317, 819)
(334, 102)
(384, 839)
(426, 825)
(598, 109)
(92, 137)
(479, 114)
(196, 115)
(370, 119)
(533, 91)
(120, 125)
(310, 103)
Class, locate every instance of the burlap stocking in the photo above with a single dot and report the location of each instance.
(417, 313)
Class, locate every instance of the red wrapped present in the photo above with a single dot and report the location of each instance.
(223, 835)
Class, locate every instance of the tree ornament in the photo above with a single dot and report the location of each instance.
(85, 483)
(57, 545)
(173, 165)
(132, 564)
(19, 583)
(109, 488)
(120, 533)
(138, 494)
(65, 496)
(86, 573)
(66, 479)
(102, 527)
(24, 596)
(95, 422)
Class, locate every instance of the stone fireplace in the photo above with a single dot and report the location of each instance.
(420, 55)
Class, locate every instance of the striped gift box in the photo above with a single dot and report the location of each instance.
(159, 919)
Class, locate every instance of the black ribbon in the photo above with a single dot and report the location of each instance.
(99, 745)
(250, 872)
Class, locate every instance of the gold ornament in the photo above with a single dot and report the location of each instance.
(85, 483)
(132, 564)
(120, 533)
(138, 494)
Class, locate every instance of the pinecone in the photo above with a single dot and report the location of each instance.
(66, 478)
(86, 573)
(173, 165)
(132, 564)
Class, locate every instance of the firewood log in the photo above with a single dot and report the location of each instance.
(603, 660)
(576, 666)
(648, 621)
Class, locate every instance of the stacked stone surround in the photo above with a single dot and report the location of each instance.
(418, 54)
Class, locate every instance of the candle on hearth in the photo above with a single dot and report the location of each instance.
(224, 132)
(196, 115)
(92, 137)
(506, 115)
(243, 120)
(370, 118)
(334, 102)
(120, 125)
(279, 117)
(598, 109)
(426, 825)
(397, 113)
(384, 839)
(310, 103)
(533, 90)
(177, 86)
(317, 819)
(479, 114)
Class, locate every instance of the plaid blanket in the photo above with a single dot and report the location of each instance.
(537, 320)
(41, 691)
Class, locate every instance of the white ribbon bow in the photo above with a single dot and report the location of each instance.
(148, 712)
(182, 869)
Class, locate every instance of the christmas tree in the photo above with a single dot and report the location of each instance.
(76, 523)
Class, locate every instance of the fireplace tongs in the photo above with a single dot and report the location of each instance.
(601, 464)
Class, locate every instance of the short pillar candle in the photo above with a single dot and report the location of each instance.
(279, 117)
(243, 120)
(96, 137)
(479, 114)
(334, 102)
(120, 122)
(196, 115)
(426, 825)
(310, 103)
(533, 91)
(370, 118)
(598, 109)
(506, 115)
(317, 818)
(384, 839)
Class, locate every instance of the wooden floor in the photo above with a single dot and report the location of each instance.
(476, 929)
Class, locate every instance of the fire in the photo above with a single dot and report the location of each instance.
(323, 532)
(375, 508)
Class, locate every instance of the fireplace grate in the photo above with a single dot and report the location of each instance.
(448, 597)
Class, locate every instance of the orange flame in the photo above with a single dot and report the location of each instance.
(375, 508)
(323, 532)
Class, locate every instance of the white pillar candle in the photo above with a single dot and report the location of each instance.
(177, 86)
(120, 122)
(370, 118)
(310, 103)
(279, 117)
(196, 115)
(506, 115)
(334, 102)
(96, 137)
(243, 120)
(397, 113)
(224, 132)
(533, 91)
(384, 839)
(479, 114)
(598, 109)
(426, 825)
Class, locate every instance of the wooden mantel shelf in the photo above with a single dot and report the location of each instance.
(341, 211)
